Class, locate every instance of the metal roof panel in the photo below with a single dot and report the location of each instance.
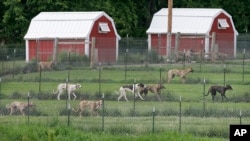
(64, 24)
(185, 20)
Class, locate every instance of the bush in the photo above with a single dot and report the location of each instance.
(242, 98)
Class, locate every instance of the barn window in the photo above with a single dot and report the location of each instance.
(103, 28)
(222, 24)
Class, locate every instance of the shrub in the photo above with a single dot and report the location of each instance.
(241, 98)
(16, 95)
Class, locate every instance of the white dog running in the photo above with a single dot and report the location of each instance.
(130, 88)
(71, 88)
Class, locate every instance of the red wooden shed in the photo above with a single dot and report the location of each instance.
(195, 26)
(53, 32)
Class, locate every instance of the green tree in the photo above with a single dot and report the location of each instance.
(14, 20)
(132, 17)
(17, 16)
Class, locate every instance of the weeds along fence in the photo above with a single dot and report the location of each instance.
(198, 116)
(141, 117)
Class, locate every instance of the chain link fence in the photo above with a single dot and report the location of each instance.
(199, 117)
(139, 118)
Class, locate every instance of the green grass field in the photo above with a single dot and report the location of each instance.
(200, 118)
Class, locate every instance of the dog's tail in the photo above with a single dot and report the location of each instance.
(76, 109)
(7, 106)
(117, 92)
(207, 93)
(55, 92)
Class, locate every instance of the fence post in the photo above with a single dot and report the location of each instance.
(67, 81)
(153, 126)
(92, 55)
(204, 100)
(213, 55)
(68, 111)
(68, 58)
(103, 112)
(126, 63)
(0, 85)
(40, 78)
(180, 116)
(224, 74)
(2, 58)
(160, 75)
(184, 58)
(14, 60)
(243, 65)
(201, 58)
(177, 45)
(28, 107)
(55, 50)
(134, 96)
(100, 78)
(240, 117)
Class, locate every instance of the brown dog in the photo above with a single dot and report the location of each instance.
(45, 65)
(92, 105)
(21, 106)
(153, 89)
(220, 89)
(181, 73)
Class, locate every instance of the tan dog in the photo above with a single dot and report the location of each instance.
(45, 65)
(92, 105)
(181, 73)
(153, 89)
(21, 106)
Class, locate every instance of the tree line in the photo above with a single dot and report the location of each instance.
(132, 17)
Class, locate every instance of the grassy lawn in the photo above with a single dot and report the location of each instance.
(119, 118)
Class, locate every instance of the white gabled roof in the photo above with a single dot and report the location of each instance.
(185, 20)
(64, 25)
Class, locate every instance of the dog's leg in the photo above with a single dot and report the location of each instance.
(213, 96)
(169, 79)
(11, 110)
(59, 94)
(223, 96)
(22, 111)
(80, 113)
(74, 95)
(158, 96)
(124, 94)
(120, 96)
(183, 79)
(69, 94)
(139, 96)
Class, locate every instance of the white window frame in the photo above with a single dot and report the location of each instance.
(222, 24)
(103, 27)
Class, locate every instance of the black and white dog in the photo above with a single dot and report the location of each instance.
(135, 88)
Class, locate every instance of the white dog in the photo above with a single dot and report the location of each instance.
(92, 105)
(130, 88)
(21, 106)
(71, 88)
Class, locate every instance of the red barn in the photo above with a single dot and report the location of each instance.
(195, 26)
(53, 32)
